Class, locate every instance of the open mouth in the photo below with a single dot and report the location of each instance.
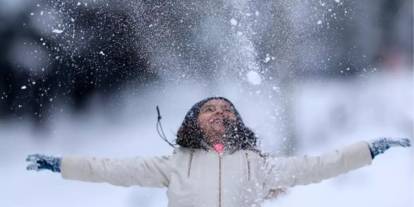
(221, 120)
(217, 123)
(221, 123)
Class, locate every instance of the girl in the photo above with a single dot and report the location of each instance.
(217, 162)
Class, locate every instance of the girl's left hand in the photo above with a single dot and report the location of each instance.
(379, 146)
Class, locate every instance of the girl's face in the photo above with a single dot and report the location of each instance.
(214, 117)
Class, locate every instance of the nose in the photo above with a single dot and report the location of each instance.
(219, 111)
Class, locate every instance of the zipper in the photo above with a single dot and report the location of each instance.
(248, 166)
(220, 166)
(189, 163)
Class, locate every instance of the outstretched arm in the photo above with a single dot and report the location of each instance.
(312, 169)
(148, 172)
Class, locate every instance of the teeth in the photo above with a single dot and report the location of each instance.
(216, 120)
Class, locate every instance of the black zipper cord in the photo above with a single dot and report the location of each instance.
(160, 131)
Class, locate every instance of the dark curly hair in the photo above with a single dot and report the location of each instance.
(189, 134)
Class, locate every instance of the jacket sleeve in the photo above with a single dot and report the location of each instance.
(146, 172)
(288, 172)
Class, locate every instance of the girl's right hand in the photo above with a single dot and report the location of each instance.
(40, 162)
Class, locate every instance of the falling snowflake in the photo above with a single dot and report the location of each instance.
(254, 78)
(57, 31)
(233, 21)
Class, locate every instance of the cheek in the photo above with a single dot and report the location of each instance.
(232, 116)
(202, 122)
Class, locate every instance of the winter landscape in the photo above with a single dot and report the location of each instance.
(308, 77)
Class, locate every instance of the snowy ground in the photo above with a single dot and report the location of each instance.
(328, 115)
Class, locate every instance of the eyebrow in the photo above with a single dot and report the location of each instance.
(211, 105)
(206, 106)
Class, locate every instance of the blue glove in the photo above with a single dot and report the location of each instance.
(40, 162)
(379, 146)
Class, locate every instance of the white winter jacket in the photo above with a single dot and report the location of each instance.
(200, 178)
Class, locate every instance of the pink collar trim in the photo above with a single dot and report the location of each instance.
(219, 148)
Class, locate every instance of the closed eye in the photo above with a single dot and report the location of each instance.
(228, 110)
(208, 109)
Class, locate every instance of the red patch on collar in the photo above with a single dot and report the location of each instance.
(218, 148)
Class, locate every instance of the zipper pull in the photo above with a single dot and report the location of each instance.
(219, 148)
